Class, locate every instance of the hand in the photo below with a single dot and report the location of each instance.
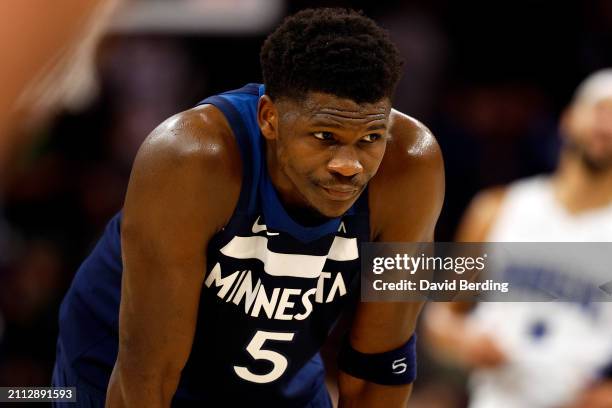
(481, 351)
(597, 396)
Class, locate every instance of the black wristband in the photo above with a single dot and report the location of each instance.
(395, 367)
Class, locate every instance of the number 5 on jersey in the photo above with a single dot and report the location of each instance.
(279, 362)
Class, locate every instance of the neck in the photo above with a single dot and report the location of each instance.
(578, 188)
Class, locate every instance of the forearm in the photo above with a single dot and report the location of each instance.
(357, 393)
(133, 388)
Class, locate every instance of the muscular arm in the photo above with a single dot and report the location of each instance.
(405, 200)
(184, 185)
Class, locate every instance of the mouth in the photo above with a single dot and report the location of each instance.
(340, 192)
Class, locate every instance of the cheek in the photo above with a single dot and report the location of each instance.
(298, 159)
(581, 127)
(372, 159)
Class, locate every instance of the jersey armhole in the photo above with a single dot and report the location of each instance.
(247, 198)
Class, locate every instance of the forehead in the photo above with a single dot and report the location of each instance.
(600, 107)
(605, 105)
(323, 106)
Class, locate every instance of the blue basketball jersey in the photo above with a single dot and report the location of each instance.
(272, 291)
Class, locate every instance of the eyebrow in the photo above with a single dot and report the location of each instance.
(330, 124)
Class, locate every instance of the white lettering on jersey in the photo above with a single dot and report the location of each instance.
(307, 304)
(246, 289)
(262, 301)
(236, 285)
(226, 283)
(241, 289)
(337, 286)
(321, 285)
(284, 304)
(277, 305)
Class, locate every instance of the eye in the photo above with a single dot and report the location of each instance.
(323, 135)
(371, 138)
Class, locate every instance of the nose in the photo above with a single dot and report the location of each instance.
(345, 162)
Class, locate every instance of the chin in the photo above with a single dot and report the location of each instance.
(334, 210)
(332, 214)
(332, 207)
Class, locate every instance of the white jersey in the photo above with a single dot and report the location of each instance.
(554, 349)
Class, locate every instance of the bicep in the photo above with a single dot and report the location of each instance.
(174, 204)
(406, 204)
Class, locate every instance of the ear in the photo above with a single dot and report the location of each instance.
(267, 117)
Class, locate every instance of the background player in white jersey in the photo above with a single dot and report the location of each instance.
(542, 354)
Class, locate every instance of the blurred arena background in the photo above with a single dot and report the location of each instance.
(488, 78)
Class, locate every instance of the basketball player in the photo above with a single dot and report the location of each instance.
(238, 244)
(542, 354)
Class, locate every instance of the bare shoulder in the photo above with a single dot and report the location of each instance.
(201, 134)
(481, 214)
(190, 164)
(409, 185)
(411, 140)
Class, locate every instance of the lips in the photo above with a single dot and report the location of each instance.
(340, 192)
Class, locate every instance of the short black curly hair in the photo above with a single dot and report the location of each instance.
(332, 50)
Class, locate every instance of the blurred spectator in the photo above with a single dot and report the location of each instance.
(547, 354)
